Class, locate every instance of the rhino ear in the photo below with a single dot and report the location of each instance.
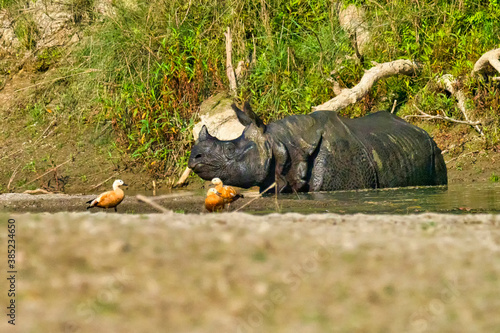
(247, 116)
(204, 135)
(247, 109)
(242, 117)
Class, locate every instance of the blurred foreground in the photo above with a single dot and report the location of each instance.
(232, 272)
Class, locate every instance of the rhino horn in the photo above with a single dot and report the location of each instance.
(204, 135)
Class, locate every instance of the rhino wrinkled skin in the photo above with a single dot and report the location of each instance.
(321, 151)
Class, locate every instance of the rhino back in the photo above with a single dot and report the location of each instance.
(403, 154)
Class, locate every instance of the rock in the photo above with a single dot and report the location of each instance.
(8, 39)
(221, 121)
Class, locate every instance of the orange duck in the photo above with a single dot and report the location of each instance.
(227, 192)
(214, 201)
(109, 199)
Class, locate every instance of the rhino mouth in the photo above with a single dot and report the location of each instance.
(204, 170)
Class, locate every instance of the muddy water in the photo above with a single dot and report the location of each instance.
(456, 198)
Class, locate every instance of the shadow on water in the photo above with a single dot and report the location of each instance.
(455, 198)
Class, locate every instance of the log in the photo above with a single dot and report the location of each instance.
(371, 76)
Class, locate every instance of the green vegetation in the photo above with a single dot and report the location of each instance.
(146, 68)
(494, 178)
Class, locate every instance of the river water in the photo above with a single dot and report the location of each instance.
(454, 198)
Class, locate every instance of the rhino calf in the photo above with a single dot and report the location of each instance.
(321, 151)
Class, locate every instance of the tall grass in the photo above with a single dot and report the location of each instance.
(155, 61)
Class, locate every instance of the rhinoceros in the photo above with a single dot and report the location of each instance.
(321, 151)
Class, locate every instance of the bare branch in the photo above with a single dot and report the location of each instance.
(443, 117)
(371, 76)
(260, 195)
(229, 62)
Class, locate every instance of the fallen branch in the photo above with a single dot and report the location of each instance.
(38, 191)
(488, 63)
(448, 82)
(371, 76)
(51, 170)
(257, 197)
(153, 204)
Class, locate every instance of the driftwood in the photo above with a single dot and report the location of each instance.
(488, 63)
(371, 76)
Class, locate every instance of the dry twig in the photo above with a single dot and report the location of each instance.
(257, 197)
(12, 177)
(51, 170)
(443, 117)
(153, 204)
(96, 186)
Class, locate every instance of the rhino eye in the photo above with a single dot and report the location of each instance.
(229, 149)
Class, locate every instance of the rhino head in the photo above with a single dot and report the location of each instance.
(242, 162)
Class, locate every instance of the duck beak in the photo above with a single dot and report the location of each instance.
(125, 184)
